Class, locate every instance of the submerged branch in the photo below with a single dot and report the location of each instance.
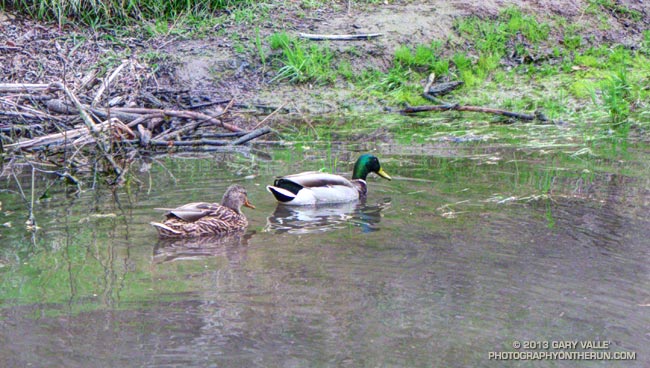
(488, 110)
(252, 135)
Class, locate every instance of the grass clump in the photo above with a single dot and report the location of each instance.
(495, 36)
(612, 7)
(301, 62)
(495, 39)
(615, 97)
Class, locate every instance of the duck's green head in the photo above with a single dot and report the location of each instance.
(366, 164)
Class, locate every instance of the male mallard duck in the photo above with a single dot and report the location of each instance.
(313, 187)
(201, 218)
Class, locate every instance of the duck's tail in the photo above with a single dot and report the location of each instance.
(164, 230)
(282, 195)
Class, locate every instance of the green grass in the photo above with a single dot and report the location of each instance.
(119, 12)
(611, 6)
(302, 62)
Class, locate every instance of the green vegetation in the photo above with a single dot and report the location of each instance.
(302, 62)
(612, 6)
(116, 12)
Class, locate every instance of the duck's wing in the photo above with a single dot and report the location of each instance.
(311, 179)
(194, 211)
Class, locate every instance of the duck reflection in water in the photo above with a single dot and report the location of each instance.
(233, 246)
(322, 218)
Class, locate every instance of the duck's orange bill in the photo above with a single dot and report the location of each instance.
(248, 204)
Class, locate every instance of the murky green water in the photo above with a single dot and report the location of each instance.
(469, 249)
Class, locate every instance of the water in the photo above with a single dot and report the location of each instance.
(469, 249)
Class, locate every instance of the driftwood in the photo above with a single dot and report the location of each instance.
(432, 89)
(345, 37)
(451, 107)
(252, 135)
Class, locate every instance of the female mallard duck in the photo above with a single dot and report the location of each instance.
(312, 187)
(201, 218)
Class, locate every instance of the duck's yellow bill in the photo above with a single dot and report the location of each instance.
(383, 174)
(248, 204)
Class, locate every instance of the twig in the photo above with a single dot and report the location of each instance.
(345, 37)
(88, 79)
(306, 120)
(108, 81)
(31, 220)
(269, 116)
(221, 135)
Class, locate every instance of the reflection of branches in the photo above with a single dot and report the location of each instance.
(65, 174)
(166, 169)
(31, 221)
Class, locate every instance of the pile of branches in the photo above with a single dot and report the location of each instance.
(67, 106)
(51, 120)
(53, 125)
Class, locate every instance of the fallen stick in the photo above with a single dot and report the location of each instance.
(221, 135)
(80, 108)
(49, 139)
(269, 116)
(24, 87)
(16, 106)
(217, 149)
(25, 115)
(487, 110)
(252, 135)
(198, 115)
(72, 136)
(107, 82)
(346, 37)
(199, 142)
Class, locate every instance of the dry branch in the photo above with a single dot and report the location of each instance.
(74, 137)
(252, 135)
(80, 108)
(23, 87)
(107, 82)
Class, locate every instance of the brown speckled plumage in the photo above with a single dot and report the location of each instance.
(201, 218)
